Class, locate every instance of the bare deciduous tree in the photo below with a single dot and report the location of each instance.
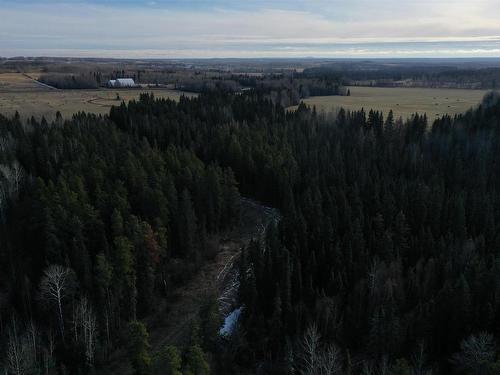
(13, 175)
(330, 360)
(48, 353)
(21, 355)
(368, 368)
(373, 276)
(3, 198)
(313, 359)
(308, 357)
(3, 192)
(32, 336)
(3, 304)
(85, 328)
(419, 361)
(54, 287)
(384, 366)
(3, 144)
(11, 178)
(15, 353)
(7, 142)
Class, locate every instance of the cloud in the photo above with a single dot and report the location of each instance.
(293, 28)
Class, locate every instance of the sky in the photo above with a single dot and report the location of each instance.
(250, 28)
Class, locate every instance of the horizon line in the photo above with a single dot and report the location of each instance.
(252, 57)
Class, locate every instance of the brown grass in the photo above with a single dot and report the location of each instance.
(403, 101)
(17, 82)
(20, 93)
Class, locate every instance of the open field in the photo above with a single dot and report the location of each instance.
(20, 93)
(403, 101)
(17, 82)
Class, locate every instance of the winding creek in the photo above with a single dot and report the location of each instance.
(228, 279)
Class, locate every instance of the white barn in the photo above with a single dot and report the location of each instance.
(121, 82)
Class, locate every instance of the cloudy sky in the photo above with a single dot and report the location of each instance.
(250, 28)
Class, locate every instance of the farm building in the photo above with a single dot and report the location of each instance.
(121, 82)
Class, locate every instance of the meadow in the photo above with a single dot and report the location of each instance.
(21, 93)
(403, 101)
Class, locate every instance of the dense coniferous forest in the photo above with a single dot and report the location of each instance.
(385, 260)
(97, 224)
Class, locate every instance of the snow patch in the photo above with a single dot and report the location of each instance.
(230, 322)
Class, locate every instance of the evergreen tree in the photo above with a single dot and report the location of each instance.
(138, 348)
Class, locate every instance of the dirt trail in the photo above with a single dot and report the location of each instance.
(173, 324)
(41, 84)
(180, 313)
(216, 276)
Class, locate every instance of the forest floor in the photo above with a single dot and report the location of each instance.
(171, 325)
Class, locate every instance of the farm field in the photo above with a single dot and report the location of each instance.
(20, 93)
(403, 101)
(17, 82)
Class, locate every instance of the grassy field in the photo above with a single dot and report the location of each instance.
(403, 101)
(17, 82)
(21, 93)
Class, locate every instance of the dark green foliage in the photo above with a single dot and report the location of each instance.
(380, 218)
(388, 242)
(401, 367)
(130, 220)
(168, 362)
(210, 322)
(138, 348)
(196, 361)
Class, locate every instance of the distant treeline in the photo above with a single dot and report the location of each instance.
(65, 81)
(283, 90)
(413, 76)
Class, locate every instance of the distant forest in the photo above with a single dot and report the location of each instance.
(386, 259)
(286, 90)
(410, 75)
(300, 78)
(69, 81)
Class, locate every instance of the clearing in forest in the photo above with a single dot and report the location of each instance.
(172, 322)
(403, 101)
